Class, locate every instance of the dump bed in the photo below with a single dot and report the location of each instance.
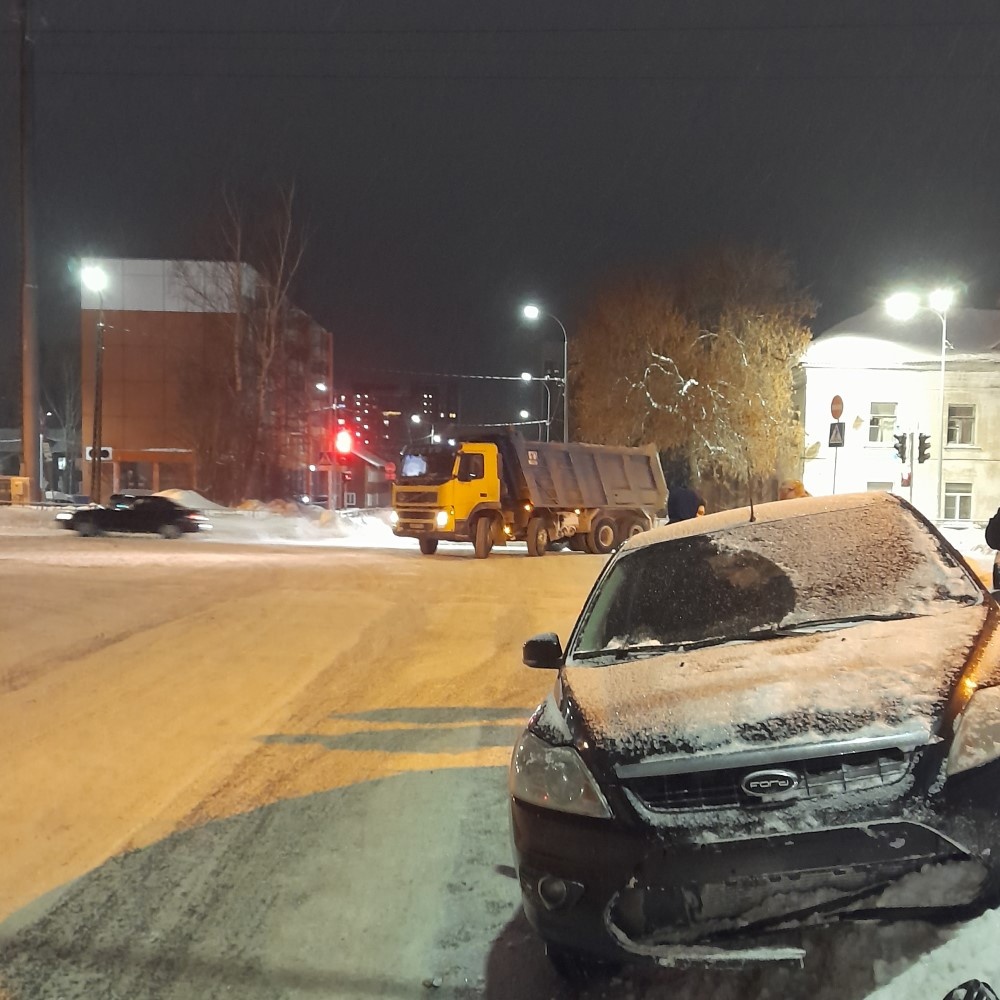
(567, 476)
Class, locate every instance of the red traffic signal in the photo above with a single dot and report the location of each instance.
(344, 443)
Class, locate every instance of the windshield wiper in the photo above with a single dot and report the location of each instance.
(622, 652)
(759, 634)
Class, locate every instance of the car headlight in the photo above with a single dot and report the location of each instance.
(555, 778)
(441, 518)
(977, 741)
(64, 515)
(393, 518)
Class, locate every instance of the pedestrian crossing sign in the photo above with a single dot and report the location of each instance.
(836, 434)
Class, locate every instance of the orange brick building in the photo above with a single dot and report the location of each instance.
(168, 328)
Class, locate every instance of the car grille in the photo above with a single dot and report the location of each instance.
(818, 777)
(418, 496)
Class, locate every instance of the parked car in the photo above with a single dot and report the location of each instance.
(129, 513)
(762, 719)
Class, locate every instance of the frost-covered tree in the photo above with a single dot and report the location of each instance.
(697, 359)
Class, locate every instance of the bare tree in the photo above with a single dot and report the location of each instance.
(235, 404)
(698, 360)
(63, 400)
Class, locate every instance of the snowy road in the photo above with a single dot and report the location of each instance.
(268, 771)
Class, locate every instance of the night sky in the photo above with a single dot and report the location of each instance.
(455, 158)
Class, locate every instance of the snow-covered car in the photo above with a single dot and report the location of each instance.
(130, 513)
(761, 719)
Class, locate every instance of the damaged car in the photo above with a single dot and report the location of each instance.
(762, 719)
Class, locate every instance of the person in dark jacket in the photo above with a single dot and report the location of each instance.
(993, 541)
(683, 504)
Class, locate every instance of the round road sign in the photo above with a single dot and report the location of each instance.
(836, 407)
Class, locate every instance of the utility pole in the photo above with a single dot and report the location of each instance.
(30, 418)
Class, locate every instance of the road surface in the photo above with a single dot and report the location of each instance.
(253, 771)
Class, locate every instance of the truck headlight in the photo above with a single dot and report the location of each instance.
(441, 518)
(977, 741)
(393, 518)
(554, 778)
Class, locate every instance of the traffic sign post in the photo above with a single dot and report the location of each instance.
(836, 439)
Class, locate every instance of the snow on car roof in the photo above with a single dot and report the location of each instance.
(775, 510)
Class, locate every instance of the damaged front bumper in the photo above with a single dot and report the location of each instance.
(632, 894)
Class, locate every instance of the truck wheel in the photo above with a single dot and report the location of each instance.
(484, 537)
(537, 536)
(428, 546)
(629, 527)
(602, 537)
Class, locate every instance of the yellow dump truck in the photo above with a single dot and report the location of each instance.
(491, 487)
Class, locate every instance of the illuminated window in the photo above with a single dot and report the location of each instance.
(958, 501)
(882, 423)
(961, 424)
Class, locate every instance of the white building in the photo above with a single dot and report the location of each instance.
(888, 375)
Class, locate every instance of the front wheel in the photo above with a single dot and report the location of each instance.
(428, 546)
(86, 529)
(576, 967)
(484, 537)
(537, 536)
(170, 531)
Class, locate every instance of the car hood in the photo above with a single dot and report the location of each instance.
(870, 679)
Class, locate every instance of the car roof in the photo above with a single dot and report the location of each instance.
(776, 510)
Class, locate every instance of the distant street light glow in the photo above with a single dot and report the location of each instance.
(531, 312)
(435, 439)
(94, 278)
(321, 386)
(941, 299)
(415, 418)
(526, 376)
(524, 414)
(903, 305)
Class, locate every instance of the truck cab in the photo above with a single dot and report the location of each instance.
(441, 490)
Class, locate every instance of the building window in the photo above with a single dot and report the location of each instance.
(879, 487)
(961, 424)
(958, 501)
(882, 423)
(350, 499)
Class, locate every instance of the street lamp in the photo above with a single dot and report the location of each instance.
(523, 414)
(95, 279)
(545, 380)
(532, 314)
(903, 306)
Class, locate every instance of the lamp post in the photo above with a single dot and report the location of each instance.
(904, 306)
(545, 380)
(95, 280)
(532, 314)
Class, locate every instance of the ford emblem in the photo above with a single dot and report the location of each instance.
(769, 784)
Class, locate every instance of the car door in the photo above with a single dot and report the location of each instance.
(148, 514)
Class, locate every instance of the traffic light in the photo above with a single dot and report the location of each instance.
(924, 450)
(343, 445)
(901, 445)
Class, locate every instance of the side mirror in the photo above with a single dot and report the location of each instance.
(543, 651)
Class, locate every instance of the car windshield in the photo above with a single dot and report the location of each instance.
(821, 570)
(433, 463)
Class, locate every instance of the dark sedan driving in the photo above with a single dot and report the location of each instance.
(134, 514)
(763, 719)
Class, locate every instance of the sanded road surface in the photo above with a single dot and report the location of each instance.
(257, 771)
